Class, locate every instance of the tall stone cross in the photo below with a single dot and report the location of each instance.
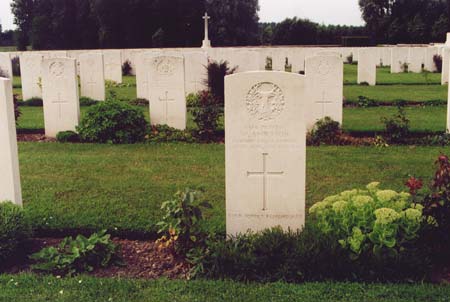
(324, 102)
(166, 101)
(206, 41)
(265, 177)
(60, 102)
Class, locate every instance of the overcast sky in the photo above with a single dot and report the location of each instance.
(321, 11)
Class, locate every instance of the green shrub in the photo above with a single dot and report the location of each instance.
(437, 59)
(192, 100)
(14, 230)
(33, 102)
(16, 66)
(68, 137)
(436, 204)
(181, 223)
(397, 126)
(86, 102)
(126, 68)
(372, 223)
(216, 78)
(17, 112)
(350, 59)
(206, 115)
(79, 255)
(325, 131)
(164, 133)
(269, 64)
(287, 65)
(365, 102)
(113, 122)
(139, 102)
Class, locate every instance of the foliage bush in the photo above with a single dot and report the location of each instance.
(181, 223)
(325, 131)
(33, 102)
(16, 66)
(68, 137)
(79, 255)
(397, 126)
(216, 78)
(14, 231)
(437, 59)
(437, 210)
(192, 100)
(370, 223)
(206, 115)
(86, 102)
(113, 122)
(126, 68)
(17, 112)
(139, 102)
(164, 133)
(365, 102)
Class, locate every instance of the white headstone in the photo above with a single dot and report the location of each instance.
(60, 95)
(30, 71)
(399, 59)
(386, 56)
(166, 86)
(10, 189)
(92, 79)
(445, 65)
(265, 151)
(367, 66)
(143, 63)
(448, 103)
(325, 91)
(196, 73)
(416, 59)
(113, 65)
(6, 66)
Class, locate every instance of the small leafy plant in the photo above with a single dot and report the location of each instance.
(17, 112)
(181, 224)
(287, 65)
(68, 137)
(350, 59)
(126, 68)
(437, 59)
(113, 122)
(382, 223)
(365, 102)
(397, 126)
(325, 131)
(206, 115)
(14, 231)
(164, 133)
(79, 255)
(269, 64)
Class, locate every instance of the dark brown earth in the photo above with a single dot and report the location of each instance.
(141, 259)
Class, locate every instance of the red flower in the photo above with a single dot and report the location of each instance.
(414, 185)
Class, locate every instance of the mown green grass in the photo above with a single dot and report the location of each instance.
(393, 93)
(384, 76)
(32, 288)
(423, 119)
(86, 186)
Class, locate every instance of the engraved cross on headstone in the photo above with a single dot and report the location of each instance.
(60, 102)
(324, 102)
(265, 174)
(166, 101)
(206, 18)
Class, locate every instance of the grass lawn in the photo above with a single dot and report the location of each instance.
(83, 289)
(423, 119)
(384, 76)
(88, 186)
(392, 93)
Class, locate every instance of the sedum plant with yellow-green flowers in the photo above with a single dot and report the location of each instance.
(382, 222)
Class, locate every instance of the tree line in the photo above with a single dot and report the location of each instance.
(88, 24)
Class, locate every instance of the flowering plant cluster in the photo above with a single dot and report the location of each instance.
(376, 221)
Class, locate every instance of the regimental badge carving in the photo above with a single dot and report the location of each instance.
(165, 66)
(265, 101)
(323, 68)
(57, 69)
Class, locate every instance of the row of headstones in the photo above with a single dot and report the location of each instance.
(163, 83)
